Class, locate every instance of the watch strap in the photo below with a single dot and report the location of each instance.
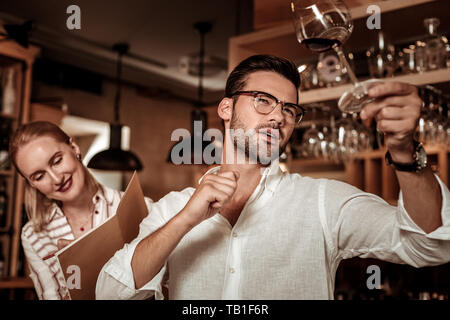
(409, 167)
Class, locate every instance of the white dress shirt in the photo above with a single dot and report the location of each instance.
(286, 244)
(39, 247)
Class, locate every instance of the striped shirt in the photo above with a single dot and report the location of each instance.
(45, 271)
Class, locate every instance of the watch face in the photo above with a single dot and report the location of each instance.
(421, 157)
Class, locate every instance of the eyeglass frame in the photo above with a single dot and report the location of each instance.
(253, 94)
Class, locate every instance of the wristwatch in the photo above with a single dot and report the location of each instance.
(419, 163)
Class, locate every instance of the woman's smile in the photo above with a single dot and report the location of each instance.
(66, 185)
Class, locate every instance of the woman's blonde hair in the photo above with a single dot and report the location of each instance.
(37, 205)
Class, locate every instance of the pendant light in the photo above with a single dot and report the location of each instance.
(115, 158)
(198, 114)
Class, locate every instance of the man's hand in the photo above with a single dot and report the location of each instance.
(397, 111)
(212, 194)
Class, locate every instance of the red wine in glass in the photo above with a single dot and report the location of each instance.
(326, 24)
(320, 44)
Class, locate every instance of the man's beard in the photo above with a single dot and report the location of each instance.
(250, 143)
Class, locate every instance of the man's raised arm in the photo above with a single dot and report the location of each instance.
(397, 111)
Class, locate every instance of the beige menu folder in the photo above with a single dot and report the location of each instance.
(85, 257)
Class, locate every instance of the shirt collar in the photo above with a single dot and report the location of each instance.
(101, 194)
(55, 210)
(270, 177)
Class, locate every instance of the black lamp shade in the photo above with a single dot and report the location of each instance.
(116, 160)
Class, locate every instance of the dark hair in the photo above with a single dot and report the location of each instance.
(264, 62)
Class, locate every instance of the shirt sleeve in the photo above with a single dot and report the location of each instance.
(116, 280)
(362, 224)
(40, 273)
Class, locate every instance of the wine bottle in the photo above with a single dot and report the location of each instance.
(9, 94)
(5, 129)
(434, 45)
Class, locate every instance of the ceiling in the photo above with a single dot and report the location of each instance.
(159, 33)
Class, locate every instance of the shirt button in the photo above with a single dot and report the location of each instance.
(96, 211)
(232, 270)
(235, 235)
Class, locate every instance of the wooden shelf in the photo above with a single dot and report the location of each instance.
(8, 116)
(7, 173)
(430, 150)
(287, 27)
(12, 55)
(437, 148)
(15, 283)
(12, 49)
(368, 170)
(312, 162)
(281, 40)
(273, 13)
(418, 79)
(372, 154)
(317, 168)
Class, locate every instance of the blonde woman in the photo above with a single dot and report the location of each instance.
(63, 201)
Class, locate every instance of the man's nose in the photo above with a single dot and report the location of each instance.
(277, 114)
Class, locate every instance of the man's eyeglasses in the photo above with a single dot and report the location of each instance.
(265, 103)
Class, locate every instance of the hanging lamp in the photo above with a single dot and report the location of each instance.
(198, 114)
(115, 158)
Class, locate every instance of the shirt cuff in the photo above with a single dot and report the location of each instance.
(441, 233)
(119, 267)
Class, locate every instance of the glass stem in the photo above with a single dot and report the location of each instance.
(345, 64)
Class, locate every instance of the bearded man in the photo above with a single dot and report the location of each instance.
(250, 231)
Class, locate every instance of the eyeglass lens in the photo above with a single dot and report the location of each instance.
(265, 104)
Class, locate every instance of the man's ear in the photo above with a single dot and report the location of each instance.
(74, 147)
(225, 109)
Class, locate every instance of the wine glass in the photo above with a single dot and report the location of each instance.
(381, 58)
(326, 24)
(329, 148)
(365, 138)
(432, 121)
(442, 125)
(344, 127)
(312, 138)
